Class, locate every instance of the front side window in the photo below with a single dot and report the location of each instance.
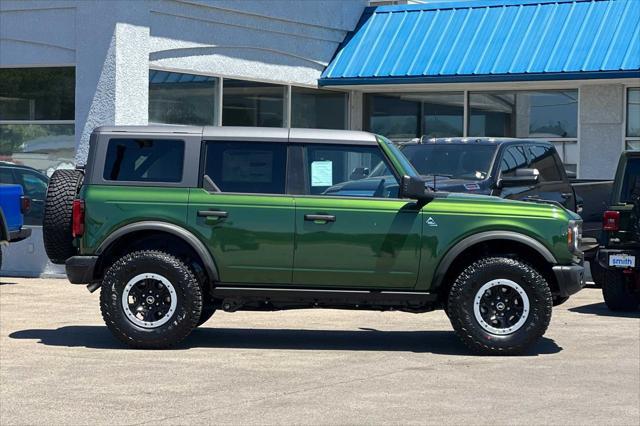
(347, 171)
(247, 167)
(514, 158)
(543, 158)
(144, 160)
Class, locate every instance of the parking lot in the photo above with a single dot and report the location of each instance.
(59, 364)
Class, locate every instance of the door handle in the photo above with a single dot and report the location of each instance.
(531, 197)
(212, 213)
(320, 217)
(566, 195)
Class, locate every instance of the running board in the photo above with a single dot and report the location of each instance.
(234, 298)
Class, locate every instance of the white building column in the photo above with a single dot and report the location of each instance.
(112, 56)
(601, 130)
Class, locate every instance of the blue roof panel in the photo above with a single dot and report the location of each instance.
(487, 39)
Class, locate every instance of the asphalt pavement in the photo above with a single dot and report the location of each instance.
(60, 365)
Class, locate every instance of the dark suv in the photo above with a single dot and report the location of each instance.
(619, 253)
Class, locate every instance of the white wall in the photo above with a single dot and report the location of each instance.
(601, 129)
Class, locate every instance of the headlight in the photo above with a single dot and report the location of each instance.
(574, 235)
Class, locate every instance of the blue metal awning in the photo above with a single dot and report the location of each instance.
(490, 40)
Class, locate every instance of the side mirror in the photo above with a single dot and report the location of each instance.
(414, 188)
(523, 177)
(571, 174)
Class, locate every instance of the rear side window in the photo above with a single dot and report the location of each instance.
(247, 167)
(543, 158)
(144, 160)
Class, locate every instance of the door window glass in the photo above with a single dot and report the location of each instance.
(144, 160)
(247, 167)
(347, 171)
(514, 158)
(543, 159)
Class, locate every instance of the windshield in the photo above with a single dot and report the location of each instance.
(456, 161)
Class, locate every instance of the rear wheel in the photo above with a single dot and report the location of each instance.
(617, 292)
(56, 226)
(499, 306)
(150, 299)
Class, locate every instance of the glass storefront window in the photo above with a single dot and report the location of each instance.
(392, 117)
(250, 103)
(633, 113)
(535, 114)
(442, 114)
(410, 115)
(44, 147)
(28, 94)
(319, 109)
(178, 98)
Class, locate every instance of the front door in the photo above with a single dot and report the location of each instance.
(351, 229)
(242, 212)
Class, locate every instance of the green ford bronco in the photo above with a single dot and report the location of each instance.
(173, 223)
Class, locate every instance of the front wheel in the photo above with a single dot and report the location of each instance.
(150, 299)
(499, 306)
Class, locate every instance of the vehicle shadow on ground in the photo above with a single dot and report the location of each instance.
(602, 310)
(437, 342)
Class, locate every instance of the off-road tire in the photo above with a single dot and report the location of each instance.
(56, 226)
(208, 310)
(461, 306)
(617, 293)
(188, 292)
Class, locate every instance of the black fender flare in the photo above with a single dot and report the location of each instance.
(193, 241)
(472, 240)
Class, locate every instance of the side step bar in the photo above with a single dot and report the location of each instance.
(233, 298)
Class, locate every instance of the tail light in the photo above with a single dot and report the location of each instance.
(25, 204)
(77, 214)
(611, 221)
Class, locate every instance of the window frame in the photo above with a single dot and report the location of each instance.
(287, 101)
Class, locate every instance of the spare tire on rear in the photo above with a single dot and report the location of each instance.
(56, 227)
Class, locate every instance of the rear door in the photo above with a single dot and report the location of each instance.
(351, 229)
(241, 210)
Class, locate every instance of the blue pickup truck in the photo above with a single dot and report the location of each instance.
(13, 206)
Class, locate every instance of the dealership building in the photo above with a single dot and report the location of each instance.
(567, 71)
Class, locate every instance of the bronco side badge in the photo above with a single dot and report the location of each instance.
(431, 222)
